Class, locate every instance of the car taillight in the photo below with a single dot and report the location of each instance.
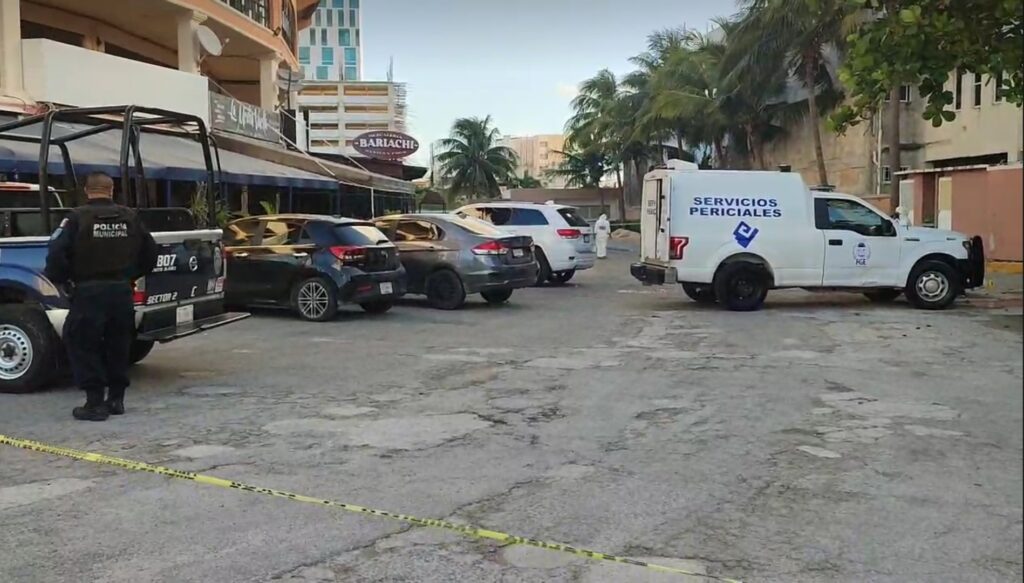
(569, 233)
(676, 245)
(139, 291)
(493, 247)
(348, 253)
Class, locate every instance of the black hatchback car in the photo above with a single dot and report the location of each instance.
(311, 264)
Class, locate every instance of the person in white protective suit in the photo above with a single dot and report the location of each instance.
(602, 231)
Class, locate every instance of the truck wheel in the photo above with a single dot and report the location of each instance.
(28, 349)
(561, 277)
(933, 285)
(702, 294)
(883, 296)
(315, 299)
(140, 350)
(377, 306)
(496, 296)
(741, 286)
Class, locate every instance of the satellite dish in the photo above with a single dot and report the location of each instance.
(209, 41)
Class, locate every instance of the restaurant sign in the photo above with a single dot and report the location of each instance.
(385, 145)
(228, 114)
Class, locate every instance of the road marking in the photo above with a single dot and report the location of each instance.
(232, 485)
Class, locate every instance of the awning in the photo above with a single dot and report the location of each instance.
(164, 157)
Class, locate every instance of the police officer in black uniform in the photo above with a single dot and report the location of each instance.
(97, 251)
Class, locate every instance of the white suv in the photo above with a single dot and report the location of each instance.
(564, 241)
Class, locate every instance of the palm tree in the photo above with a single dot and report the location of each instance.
(801, 34)
(472, 161)
(583, 168)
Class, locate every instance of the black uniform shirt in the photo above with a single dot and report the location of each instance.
(100, 241)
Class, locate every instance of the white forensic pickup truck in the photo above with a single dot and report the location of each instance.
(731, 236)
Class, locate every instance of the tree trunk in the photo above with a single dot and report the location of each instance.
(812, 107)
(679, 144)
(893, 129)
(719, 154)
(754, 147)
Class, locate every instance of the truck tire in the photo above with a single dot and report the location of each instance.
(140, 350)
(883, 296)
(28, 349)
(933, 285)
(702, 294)
(741, 286)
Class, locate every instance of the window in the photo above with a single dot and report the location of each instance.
(998, 81)
(905, 93)
(323, 36)
(367, 90)
(366, 109)
(276, 233)
(417, 231)
(887, 173)
(316, 18)
(359, 235)
(359, 43)
(341, 18)
(351, 74)
(351, 56)
(321, 90)
(474, 226)
(338, 3)
(501, 216)
(958, 90)
(366, 126)
(304, 55)
(322, 73)
(242, 233)
(312, 36)
(846, 215)
(327, 56)
(330, 17)
(324, 126)
(353, 4)
(345, 37)
(353, 19)
(977, 90)
(572, 218)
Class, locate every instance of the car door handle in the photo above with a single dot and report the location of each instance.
(835, 242)
(300, 254)
(239, 254)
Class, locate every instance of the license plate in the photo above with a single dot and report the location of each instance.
(586, 238)
(387, 288)
(184, 314)
(518, 252)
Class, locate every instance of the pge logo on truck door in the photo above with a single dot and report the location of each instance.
(729, 206)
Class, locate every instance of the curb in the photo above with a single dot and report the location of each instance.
(1005, 267)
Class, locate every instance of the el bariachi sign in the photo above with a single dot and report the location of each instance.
(385, 145)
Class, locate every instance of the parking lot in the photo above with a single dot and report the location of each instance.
(821, 439)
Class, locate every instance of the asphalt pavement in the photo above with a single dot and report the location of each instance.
(821, 439)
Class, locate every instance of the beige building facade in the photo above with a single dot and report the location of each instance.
(987, 130)
(537, 155)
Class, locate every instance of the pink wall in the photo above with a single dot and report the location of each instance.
(986, 202)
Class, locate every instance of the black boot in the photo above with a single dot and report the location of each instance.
(115, 402)
(93, 410)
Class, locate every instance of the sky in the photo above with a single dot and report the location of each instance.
(518, 61)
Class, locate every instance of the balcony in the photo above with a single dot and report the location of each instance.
(256, 10)
(64, 74)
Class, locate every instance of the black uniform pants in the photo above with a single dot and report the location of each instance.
(98, 335)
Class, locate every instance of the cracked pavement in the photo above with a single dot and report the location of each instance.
(821, 439)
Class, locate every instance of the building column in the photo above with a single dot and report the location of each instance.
(12, 80)
(188, 47)
(268, 81)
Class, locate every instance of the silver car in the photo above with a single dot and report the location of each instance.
(447, 257)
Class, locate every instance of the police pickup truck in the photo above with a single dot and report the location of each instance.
(730, 236)
(183, 296)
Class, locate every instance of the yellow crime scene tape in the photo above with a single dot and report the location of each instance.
(461, 528)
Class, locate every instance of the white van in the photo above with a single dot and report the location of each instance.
(730, 236)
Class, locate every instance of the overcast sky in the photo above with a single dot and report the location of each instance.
(517, 60)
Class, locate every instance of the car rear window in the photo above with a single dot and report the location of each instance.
(474, 226)
(358, 235)
(571, 217)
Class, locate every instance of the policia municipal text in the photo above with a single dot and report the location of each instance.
(95, 253)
